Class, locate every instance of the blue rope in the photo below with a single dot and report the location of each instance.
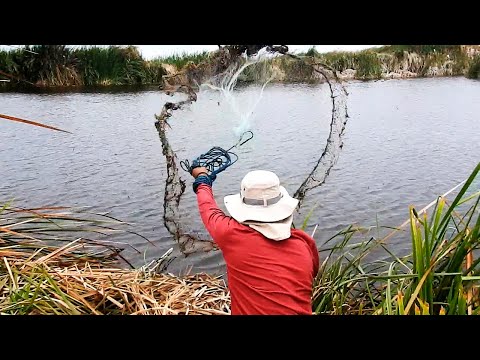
(216, 159)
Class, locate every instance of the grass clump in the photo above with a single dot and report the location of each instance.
(50, 264)
(58, 65)
(439, 276)
(182, 60)
(474, 69)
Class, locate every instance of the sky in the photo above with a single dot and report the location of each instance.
(152, 51)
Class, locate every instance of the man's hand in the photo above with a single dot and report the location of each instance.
(202, 176)
(199, 170)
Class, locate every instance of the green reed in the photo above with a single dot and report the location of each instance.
(439, 276)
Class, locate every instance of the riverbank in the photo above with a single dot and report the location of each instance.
(439, 277)
(404, 61)
(388, 62)
(48, 66)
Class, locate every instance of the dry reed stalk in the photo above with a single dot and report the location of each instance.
(91, 289)
(469, 262)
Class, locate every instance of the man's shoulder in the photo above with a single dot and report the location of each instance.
(300, 231)
(302, 234)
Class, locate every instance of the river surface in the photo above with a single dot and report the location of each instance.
(406, 142)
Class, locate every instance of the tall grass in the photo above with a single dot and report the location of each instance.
(474, 69)
(58, 65)
(296, 71)
(47, 65)
(40, 230)
(8, 67)
(439, 276)
(422, 60)
(182, 60)
(366, 63)
(339, 60)
(117, 66)
(420, 49)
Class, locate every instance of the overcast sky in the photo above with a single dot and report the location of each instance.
(153, 51)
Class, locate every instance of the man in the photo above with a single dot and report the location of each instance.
(270, 266)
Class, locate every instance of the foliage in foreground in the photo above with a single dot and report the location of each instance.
(50, 264)
(439, 276)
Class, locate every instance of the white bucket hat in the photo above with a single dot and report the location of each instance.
(261, 199)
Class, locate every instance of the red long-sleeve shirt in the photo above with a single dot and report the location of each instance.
(265, 276)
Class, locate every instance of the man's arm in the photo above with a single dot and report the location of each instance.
(214, 219)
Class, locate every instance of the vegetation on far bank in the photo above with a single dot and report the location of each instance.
(474, 69)
(59, 65)
(403, 60)
(387, 62)
(180, 61)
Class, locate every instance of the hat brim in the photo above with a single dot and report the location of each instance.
(275, 212)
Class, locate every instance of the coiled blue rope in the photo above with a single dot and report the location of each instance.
(216, 159)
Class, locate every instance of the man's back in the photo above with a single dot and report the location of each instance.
(264, 276)
(267, 276)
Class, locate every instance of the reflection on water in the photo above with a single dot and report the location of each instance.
(406, 142)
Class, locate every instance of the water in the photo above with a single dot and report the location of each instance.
(406, 142)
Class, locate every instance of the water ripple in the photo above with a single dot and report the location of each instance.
(405, 143)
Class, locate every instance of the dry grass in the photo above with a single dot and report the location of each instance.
(55, 261)
(33, 284)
